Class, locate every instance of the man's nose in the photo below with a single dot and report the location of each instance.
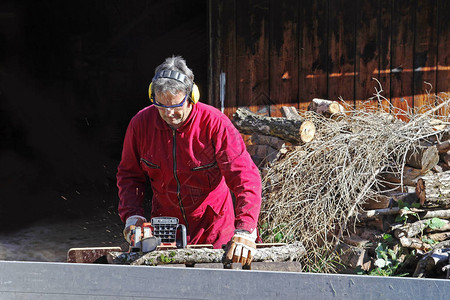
(169, 111)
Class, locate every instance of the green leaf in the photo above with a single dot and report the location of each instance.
(278, 237)
(416, 205)
(435, 223)
(429, 241)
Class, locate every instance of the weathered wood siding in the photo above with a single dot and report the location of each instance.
(273, 53)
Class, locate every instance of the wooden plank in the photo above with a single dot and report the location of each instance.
(313, 30)
(443, 52)
(384, 52)
(37, 280)
(223, 55)
(283, 55)
(342, 26)
(215, 52)
(252, 44)
(366, 52)
(425, 50)
(402, 55)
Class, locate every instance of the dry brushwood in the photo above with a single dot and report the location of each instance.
(313, 193)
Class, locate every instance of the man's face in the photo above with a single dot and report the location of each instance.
(175, 116)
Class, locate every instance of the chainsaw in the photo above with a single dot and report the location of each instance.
(160, 233)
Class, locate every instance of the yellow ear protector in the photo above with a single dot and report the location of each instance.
(178, 76)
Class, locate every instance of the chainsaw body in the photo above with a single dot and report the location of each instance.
(160, 233)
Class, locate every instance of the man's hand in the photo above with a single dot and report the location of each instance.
(132, 221)
(241, 248)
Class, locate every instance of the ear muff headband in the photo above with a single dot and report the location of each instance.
(178, 76)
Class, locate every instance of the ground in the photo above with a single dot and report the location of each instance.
(49, 239)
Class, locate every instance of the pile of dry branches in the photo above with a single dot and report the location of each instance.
(313, 193)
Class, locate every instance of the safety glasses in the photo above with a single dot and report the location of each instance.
(170, 106)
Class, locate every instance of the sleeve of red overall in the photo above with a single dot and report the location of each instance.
(241, 174)
(130, 177)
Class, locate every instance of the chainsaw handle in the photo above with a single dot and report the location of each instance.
(183, 242)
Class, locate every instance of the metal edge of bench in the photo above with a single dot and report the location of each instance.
(42, 280)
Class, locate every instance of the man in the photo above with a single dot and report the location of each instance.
(192, 155)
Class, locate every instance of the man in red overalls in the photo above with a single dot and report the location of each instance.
(192, 155)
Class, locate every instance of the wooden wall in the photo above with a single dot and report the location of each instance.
(285, 52)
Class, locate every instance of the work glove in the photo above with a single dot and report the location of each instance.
(135, 220)
(241, 248)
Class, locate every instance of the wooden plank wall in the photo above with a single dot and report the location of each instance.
(273, 53)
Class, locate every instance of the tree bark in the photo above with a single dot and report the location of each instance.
(445, 157)
(434, 190)
(431, 264)
(422, 157)
(354, 257)
(294, 131)
(443, 147)
(409, 177)
(439, 237)
(191, 256)
(327, 108)
(290, 113)
(427, 214)
(413, 229)
(378, 212)
(414, 243)
(377, 202)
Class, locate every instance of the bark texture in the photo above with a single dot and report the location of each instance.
(289, 252)
(434, 190)
(423, 157)
(291, 130)
(325, 107)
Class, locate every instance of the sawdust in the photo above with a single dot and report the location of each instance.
(49, 240)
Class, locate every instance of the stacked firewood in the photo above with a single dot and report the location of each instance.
(414, 224)
(393, 207)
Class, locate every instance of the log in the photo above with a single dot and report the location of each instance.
(439, 237)
(290, 113)
(414, 243)
(356, 241)
(434, 190)
(431, 264)
(443, 147)
(422, 157)
(190, 256)
(408, 198)
(418, 227)
(428, 214)
(445, 157)
(443, 244)
(377, 212)
(294, 131)
(353, 257)
(377, 202)
(409, 177)
(325, 107)
(441, 167)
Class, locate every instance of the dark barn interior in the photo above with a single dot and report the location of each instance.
(72, 74)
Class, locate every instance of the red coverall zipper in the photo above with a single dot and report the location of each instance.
(174, 152)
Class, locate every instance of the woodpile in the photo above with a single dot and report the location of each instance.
(367, 186)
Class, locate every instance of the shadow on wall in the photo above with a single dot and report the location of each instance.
(72, 74)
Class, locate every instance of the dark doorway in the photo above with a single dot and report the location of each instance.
(72, 74)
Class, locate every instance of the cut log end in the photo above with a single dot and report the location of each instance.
(335, 108)
(307, 131)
